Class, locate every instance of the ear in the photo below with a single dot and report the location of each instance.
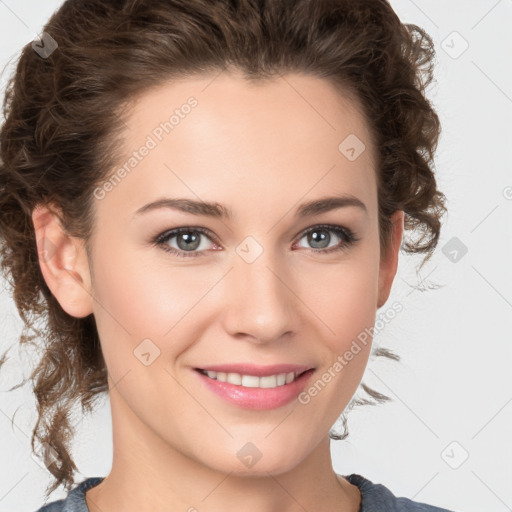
(63, 262)
(389, 260)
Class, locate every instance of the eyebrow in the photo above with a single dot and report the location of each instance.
(217, 210)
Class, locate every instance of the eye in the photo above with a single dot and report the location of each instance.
(319, 238)
(188, 240)
(189, 244)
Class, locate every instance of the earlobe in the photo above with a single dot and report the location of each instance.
(63, 262)
(389, 262)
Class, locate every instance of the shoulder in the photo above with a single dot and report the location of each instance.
(378, 498)
(75, 500)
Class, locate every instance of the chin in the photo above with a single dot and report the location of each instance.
(260, 468)
(258, 458)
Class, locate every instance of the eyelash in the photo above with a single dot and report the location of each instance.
(347, 236)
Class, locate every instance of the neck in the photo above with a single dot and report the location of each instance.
(148, 474)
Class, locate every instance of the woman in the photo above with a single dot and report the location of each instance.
(206, 202)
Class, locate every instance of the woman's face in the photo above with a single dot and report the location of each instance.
(249, 288)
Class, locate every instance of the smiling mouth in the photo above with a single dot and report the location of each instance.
(254, 381)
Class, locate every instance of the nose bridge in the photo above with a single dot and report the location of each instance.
(260, 298)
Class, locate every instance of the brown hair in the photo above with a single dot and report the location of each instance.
(64, 117)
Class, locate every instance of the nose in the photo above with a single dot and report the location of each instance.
(260, 303)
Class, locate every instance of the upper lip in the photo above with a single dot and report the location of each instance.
(256, 370)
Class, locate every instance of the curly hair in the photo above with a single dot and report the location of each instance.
(64, 115)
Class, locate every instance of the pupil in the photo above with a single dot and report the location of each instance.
(315, 239)
(191, 241)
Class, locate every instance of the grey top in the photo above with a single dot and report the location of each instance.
(374, 498)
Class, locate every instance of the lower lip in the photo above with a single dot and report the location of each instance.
(257, 398)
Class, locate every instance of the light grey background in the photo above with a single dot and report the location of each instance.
(452, 390)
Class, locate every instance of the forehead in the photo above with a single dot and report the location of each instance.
(303, 103)
(214, 134)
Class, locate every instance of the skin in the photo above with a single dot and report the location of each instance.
(260, 150)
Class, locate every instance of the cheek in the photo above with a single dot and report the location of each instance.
(140, 298)
(343, 296)
(346, 306)
(143, 294)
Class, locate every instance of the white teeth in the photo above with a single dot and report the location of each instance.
(234, 378)
(248, 381)
(252, 381)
